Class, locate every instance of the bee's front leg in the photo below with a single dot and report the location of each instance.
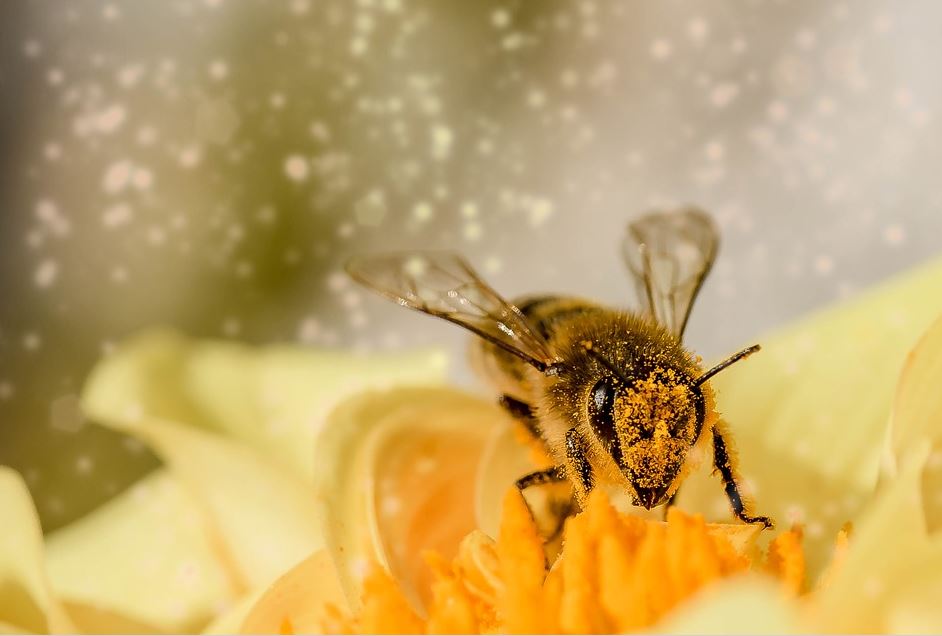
(579, 468)
(723, 463)
(670, 502)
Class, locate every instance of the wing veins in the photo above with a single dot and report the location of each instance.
(445, 286)
(669, 255)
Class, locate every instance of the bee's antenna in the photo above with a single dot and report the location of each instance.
(605, 363)
(736, 357)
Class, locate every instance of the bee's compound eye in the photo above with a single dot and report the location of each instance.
(601, 410)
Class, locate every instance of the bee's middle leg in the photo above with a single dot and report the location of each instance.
(723, 464)
(553, 517)
(521, 412)
(539, 477)
(550, 523)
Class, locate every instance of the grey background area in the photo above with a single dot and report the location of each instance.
(208, 165)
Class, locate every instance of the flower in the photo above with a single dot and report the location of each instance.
(246, 526)
(818, 446)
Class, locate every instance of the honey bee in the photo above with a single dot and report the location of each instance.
(614, 396)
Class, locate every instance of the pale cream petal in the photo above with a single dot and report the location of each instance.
(91, 619)
(396, 475)
(230, 621)
(146, 555)
(27, 603)
(891, 561)
(749, 604)
(503, 461)
(917, 418)
(299, 599)
(274, 399)
(262, 513)
(918, 611)
(237, 427)
(917, 408)
(809, 413)
(7, 628)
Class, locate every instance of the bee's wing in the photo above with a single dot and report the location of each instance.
(669, 255)
(443, 284)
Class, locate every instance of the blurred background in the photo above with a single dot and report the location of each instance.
(209, 164)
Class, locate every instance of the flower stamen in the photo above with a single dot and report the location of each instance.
(616, 573)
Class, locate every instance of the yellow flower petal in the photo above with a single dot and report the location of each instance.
(385, 608)
(146, 556)
(890, 558)
(809, 413)
(917, 408)
(231, 620)
(263, 515)
(521, 566)
(917, 417)
(237, 427)
(503, 461)
(299, 598)
(747, 604)
(395, 475)
(273, 399)
(786, 560)
(91, 619)
(455, 607)
(918, 611)
(26, 601)
(821, 389)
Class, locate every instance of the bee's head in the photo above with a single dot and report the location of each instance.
(647, 427)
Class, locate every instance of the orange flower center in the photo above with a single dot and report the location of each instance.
(616, 573)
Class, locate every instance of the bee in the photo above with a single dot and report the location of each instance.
(614, 396)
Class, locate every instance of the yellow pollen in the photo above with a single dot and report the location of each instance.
(655, 425)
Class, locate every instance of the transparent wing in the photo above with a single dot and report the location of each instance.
(443, 284)
(669, 255)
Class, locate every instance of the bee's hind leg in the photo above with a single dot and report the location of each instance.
(723, 463)
(550, 517)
